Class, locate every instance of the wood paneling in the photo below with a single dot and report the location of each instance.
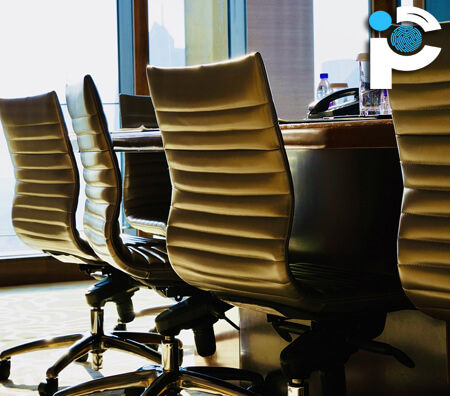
(384, 5)
(33, 270)
(141, 46)
(391, 5)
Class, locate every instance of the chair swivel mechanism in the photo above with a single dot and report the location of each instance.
(43, 215)
(420, 103)
(230, 222)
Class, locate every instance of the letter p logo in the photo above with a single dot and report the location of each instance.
(406, 39)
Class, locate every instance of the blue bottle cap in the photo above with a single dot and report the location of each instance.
(323, 75)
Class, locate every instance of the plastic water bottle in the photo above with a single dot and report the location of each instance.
(385, 105)
(323, 88)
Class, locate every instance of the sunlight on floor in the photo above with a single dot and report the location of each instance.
(42, 311)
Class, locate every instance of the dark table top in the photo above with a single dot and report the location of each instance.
(322, 134)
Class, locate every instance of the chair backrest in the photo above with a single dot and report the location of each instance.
(146, 180)
(103, 179)
(146, 191)
(47, 180)
(137, 111)
(421, 112)
(232, 199)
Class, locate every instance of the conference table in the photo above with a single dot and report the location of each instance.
(347, 186)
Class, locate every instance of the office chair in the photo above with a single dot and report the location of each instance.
(43, 215)
(101, 172)
(230, 222)
(146, 180)
(420, 102)
(137, 111)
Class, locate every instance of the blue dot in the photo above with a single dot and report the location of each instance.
(380, 20)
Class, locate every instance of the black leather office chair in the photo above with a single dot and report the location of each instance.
(230, 222)
(43, 215)
(146, 180)
(420, 102)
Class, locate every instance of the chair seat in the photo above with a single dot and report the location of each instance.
(150, 254)
(340, 289)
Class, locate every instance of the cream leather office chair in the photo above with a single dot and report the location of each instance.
(43, 216)
(420, 102)
(103, 188)
(231, 217)
(146, 180)
(136, 256)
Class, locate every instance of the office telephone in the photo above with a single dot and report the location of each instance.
(326, 106)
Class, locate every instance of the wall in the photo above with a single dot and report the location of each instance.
(282, 33)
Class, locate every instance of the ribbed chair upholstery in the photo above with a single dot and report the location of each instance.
(47, 181)
(420, 102)
(231, 217)
(143, 258)
(146, 180)
(43, 216)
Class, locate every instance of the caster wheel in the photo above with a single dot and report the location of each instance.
(83, 358)
(120, 326)
(48, 388)
(275, 384)
(97, 361)
(5, 369)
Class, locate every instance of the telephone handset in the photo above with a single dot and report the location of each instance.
(325, 107)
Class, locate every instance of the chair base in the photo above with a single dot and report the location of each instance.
(96, 345)
(173, 382)
(153, 380)
(111, 286)
(171, 379)
(96, 342)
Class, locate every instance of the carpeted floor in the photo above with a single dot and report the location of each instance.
(30, 313)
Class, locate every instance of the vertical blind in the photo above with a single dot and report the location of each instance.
(282, 31)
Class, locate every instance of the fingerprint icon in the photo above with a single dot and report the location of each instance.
(406, 38)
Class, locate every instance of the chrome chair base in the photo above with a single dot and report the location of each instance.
(96, 342)
(170, 379)
(141, 378)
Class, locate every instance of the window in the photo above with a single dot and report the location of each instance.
(45, 45)
(440, 9)
(339, 36)
(166, 32)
